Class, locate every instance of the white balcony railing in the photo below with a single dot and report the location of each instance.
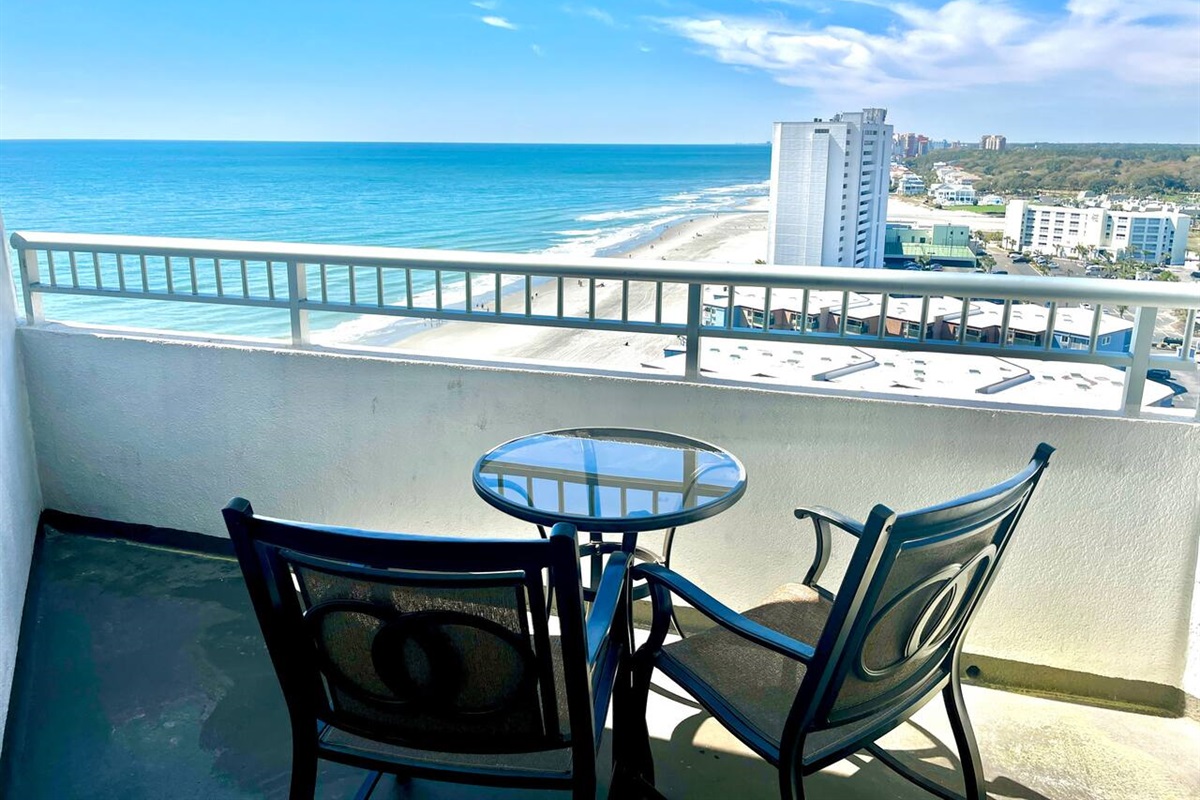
(445, 285)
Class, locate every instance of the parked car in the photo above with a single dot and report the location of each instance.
(999, 272)
(936, 267)
(1019, 259)
(1196, 274)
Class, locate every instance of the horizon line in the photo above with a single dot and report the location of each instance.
(541, 144)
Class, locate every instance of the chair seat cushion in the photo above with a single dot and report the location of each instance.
(758, 685)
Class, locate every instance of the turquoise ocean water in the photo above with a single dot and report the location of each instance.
(570, 199)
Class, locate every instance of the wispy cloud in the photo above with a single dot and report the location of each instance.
(963, 44)
(537, 50)
(498, 22)
(591, 12)
(645, 48)
(486, 5)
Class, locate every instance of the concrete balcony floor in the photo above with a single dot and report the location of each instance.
(142, 674)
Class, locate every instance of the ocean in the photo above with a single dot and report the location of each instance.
(522, 198)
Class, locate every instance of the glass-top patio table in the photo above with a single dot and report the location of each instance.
(610, 480)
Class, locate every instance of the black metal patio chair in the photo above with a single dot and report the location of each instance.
(434, 657)
(809, 677)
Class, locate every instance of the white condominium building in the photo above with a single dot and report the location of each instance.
(1154, 237)
(829, 187)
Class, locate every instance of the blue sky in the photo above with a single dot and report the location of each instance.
(666, 71)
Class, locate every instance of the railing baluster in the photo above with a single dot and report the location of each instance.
(217, 275)
(497, 294)
(297, 298)
(74, 269)
(379, 286)
(883, 316)
(408, 290)
(324, 284)
(591, 298)
(845, 311)
(50, 267)
(1004, 323)
(691, 368)
(658, 302)
(1189, 335)
(353, 288)
(962, 326)
(529, 294)
(561, 292)
(766, 310)
(467, 302)
(96, 269)
(145, 273)
(437, 289)
(1139, 351)
(166, 266)
(1095, 337)
(925, 319)
(270, 279)
(120, 273)
(192, 273)
(1049, 338)
(804, 312)
(730, 305)
(625, 301)
(29, 276)
(245, 281)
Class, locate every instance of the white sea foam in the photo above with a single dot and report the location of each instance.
(580, 242)
(634, 213)
(584, 232)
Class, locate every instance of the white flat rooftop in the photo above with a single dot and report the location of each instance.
(951, 376)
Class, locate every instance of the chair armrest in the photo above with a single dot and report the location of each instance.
(602, 616)
(720, 613)
(822, 518)
(816, 513)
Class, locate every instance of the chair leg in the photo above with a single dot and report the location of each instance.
(964, 738)
(304, 768)
(584, 788)
(635, 761)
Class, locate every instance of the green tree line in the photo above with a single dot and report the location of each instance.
(1027, 168)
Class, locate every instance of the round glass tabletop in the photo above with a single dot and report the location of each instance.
(609, 480)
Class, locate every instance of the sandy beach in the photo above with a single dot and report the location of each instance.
(735, 237)
(730, 238)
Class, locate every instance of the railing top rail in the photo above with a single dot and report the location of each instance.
(1008, 287)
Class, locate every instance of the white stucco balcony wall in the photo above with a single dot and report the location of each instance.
(1099, 578)
(20, 496)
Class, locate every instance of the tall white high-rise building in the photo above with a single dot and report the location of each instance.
(829, 188)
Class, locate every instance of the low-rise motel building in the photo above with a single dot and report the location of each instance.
(865, 313)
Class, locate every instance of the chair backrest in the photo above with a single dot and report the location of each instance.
(909, 593)
(432, 643)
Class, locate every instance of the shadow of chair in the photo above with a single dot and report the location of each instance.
(434, 657)
(809, 677)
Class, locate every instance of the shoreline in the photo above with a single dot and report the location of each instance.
(736, 236)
